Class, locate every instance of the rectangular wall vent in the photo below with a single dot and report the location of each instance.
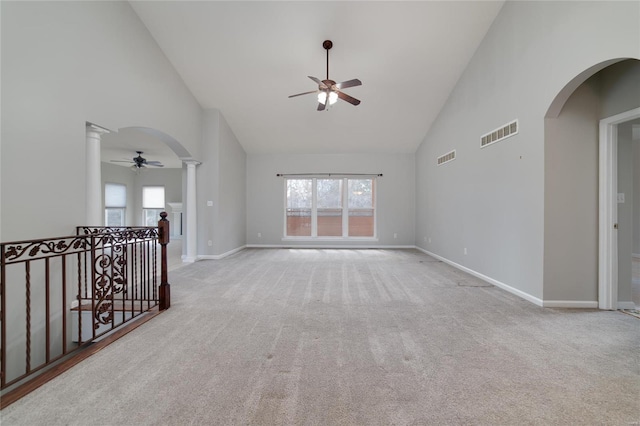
(449, 156)
(499, 134)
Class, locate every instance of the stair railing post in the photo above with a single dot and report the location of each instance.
(163, 237)
(3, 315)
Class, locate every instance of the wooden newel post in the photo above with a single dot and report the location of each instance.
(165, 288)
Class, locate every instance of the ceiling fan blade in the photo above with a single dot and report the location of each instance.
(349, 83)
(121, 161)
(350, 99)
(320, 83)
(305, 93)
(151, 163)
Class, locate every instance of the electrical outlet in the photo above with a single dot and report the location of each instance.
(465, 250)
(210, 243)
(429, 239)
(259, 234)
(395, 235)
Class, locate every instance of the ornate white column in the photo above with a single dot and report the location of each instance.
(93, 189)
(192, 241)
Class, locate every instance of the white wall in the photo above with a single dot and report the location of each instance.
(491, 200)
(221, 179)
(63, 64)
(395, 194)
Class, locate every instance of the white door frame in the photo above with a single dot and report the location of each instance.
(608, 209)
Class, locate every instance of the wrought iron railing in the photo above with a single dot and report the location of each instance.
(60, 294)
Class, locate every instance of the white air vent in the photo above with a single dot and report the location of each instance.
(499, 134)
(449, 156)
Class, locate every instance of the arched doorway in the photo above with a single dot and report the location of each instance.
(119, 148)
(580, 187)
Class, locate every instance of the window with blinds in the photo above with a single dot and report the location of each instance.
(152, 204)
(115, 204)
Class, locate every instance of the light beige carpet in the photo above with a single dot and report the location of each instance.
(363, 337)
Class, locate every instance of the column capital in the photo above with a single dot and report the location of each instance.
(94, 128)
(191, 162)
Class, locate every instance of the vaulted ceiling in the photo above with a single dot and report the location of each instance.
(246, 58)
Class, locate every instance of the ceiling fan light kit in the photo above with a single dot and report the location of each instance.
(322, 97)
(329, 89)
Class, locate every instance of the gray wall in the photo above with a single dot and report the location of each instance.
(492, 200)
(63, 64)
(395, 194)
(571, 197)
(231, 230)
(221, 179)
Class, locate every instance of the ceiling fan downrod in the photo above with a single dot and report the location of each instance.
(327, 44)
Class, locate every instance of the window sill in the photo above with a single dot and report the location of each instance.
(329, 239)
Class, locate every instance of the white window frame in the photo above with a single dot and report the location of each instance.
(345, 211)
(158, 210)
(108, 207)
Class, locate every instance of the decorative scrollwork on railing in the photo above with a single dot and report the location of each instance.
(110, 235)
(103, 289)
(15, 252)
(112, 273)
(103, 314)
(119, 269)
(102, 278)
(93, 230)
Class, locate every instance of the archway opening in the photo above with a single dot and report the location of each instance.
(574, 185)
(163, 172)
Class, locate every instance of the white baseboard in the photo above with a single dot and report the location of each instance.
(626, 305)
(506, 287)
(329, 246)
(578, 304)
(220, 256)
